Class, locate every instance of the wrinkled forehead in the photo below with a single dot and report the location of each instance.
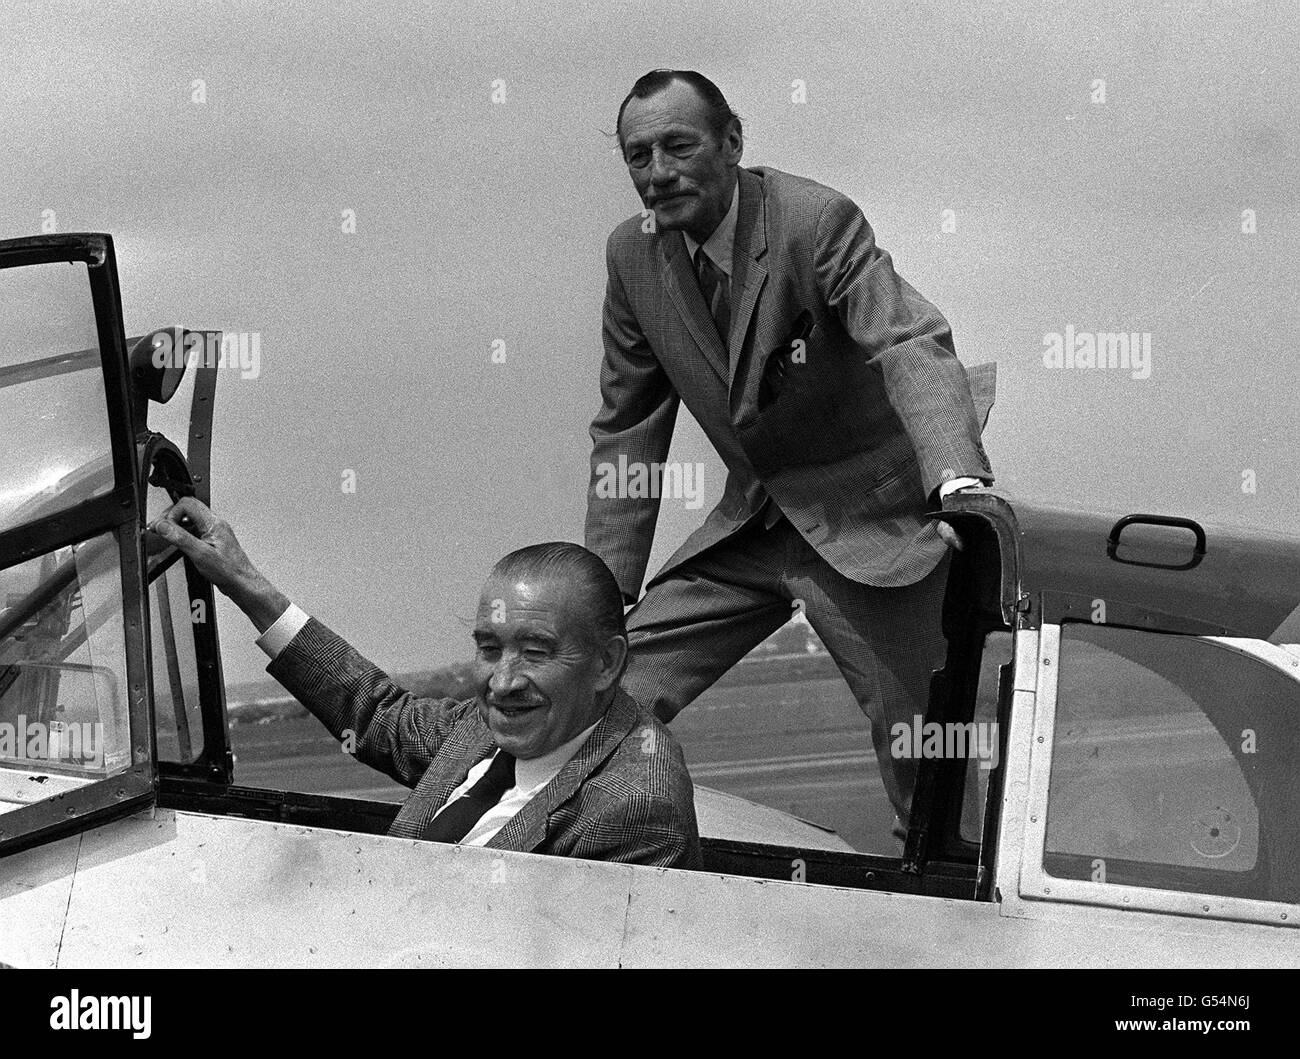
(523, 601)
(676, 109)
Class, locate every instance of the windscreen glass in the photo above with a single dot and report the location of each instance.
(63, 689)
(53, 416)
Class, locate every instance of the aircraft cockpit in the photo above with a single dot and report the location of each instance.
(1109, 751)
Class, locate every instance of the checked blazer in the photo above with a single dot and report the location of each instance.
(837, 392)
(624, 796)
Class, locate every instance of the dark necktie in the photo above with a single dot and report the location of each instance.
(458, 818)
(713, 285)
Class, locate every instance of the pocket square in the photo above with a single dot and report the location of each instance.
(777, 368)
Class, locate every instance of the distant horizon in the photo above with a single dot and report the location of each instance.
(240, 692)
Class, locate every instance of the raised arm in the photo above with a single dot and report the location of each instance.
(381, 724)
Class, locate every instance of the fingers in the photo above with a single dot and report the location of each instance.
(185, 524)
(950, 537)
(171, 532)
(199, 514)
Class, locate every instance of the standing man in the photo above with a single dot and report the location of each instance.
(828, 386)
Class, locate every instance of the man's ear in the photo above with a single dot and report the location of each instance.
(612, 659)
(734, 142)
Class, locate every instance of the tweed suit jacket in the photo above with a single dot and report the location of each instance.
(624, 796)
(838, 390)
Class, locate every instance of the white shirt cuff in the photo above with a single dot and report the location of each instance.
(282, 630)
(953, 484)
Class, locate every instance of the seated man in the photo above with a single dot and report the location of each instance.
(552, 756)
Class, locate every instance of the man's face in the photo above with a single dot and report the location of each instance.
(680, 169)
(539, 681)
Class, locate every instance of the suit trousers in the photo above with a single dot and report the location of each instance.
(709, 613)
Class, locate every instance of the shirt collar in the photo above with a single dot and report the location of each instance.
(538, 771)
(723, 240)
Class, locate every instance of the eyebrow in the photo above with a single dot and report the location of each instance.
(532, 636)
(679, 132)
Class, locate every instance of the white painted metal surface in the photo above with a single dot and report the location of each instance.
(1015, 793)
(173, 889)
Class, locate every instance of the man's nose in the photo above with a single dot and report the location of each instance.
(506, 678)
(661, 168)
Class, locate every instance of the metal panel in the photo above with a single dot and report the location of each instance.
(1015, 766)
(1245, 584)
(34, 892)
(180, 890)
(212, 891)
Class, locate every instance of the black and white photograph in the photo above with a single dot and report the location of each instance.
(768, 485)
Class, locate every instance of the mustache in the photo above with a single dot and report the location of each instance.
(513, 702)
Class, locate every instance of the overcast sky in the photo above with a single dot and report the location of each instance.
(1097, 161)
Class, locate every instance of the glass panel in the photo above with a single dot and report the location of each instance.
(175, 665)
(1173, 766)
(63, 704)
(997, 653)
(175, 668)
(53, 415)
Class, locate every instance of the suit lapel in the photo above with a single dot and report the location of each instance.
(476, 743)
(748, 270)
(526, 830)
(684, 291)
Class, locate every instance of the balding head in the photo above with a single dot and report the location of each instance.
(583, 569)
